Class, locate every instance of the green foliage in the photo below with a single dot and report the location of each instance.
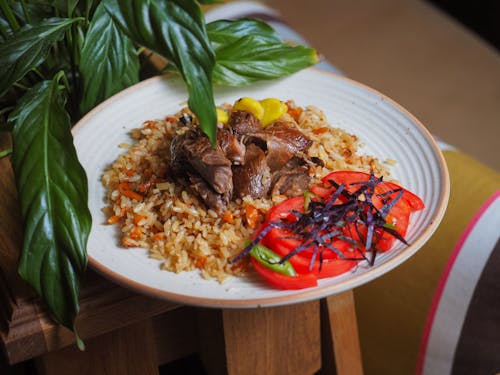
(28, 47)
(249, 50)
(109, 62)
(91, 48)
(53, 190)
(176, 30)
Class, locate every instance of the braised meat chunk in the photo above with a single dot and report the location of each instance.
(243, 122)
(230, 145)
(213, 200)
(192, 151)
(248, 160)
(293, 179)
(253, 177)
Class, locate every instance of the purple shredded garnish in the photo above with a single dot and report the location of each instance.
(324, 220)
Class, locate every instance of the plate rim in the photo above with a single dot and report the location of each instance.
(302, 295)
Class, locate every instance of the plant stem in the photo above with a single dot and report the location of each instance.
(11, 18)
(38, 73)
(21, 86)
(3, 31)
(25, 11)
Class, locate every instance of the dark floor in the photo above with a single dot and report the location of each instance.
(480, 16)
(186, 366)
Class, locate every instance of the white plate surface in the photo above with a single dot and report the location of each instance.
(386, 129)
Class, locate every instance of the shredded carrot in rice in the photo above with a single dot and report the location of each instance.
(114, 219)
(228, 217)
(321, 130)
(252, 216)
(295, 112)
(159, 236)
(137, 233)
(200, 262)
(133, 195)
(139, 218)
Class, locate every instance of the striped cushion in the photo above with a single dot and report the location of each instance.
(462, 334)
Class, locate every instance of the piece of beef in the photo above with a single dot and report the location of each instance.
(282, 141)
(212, 199)
(253, 177)
(243, 122)
(232, 148)
(293, 179)
(193, 149)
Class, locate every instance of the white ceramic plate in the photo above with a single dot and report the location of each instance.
(386, 129)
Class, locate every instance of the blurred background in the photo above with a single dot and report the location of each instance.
(440, 59)
(481, 17)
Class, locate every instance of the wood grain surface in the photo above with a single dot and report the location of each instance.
(274, 340)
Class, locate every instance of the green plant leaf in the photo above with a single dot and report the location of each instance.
(52, 188)
(28, 47)
(109, 62)
(225, 32)
(4, 153)
(176, 30)
(248, 50)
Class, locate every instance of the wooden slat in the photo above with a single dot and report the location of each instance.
(125, 351)
(276, 340)
(211, 346)
(104, 307)
(12, 288)
(175, 334)
(340, 341)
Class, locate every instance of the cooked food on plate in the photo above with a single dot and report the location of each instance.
(281, 192)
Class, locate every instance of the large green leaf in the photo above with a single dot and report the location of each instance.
(52, 188)
(248, 50)
(109, 62)
(225, 32)
(28, 47)
(176, 30)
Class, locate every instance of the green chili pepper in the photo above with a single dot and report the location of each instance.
(307, 199)
(271, 260)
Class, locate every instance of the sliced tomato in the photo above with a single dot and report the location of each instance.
(286, 239)
(399, 215)
(349, 177)
(282, 281)
(283, 242)
(302, 264)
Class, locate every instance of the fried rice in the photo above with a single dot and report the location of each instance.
(163, 216)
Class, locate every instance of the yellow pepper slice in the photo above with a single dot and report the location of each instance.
(273, 110)
(222, 116)
(250, 105)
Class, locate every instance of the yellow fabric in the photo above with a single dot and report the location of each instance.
(392, 310)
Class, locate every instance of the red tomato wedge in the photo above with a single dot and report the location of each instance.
(302, 264)
(283, 281)
(283, 242)
(399, 215)
(350, 177)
